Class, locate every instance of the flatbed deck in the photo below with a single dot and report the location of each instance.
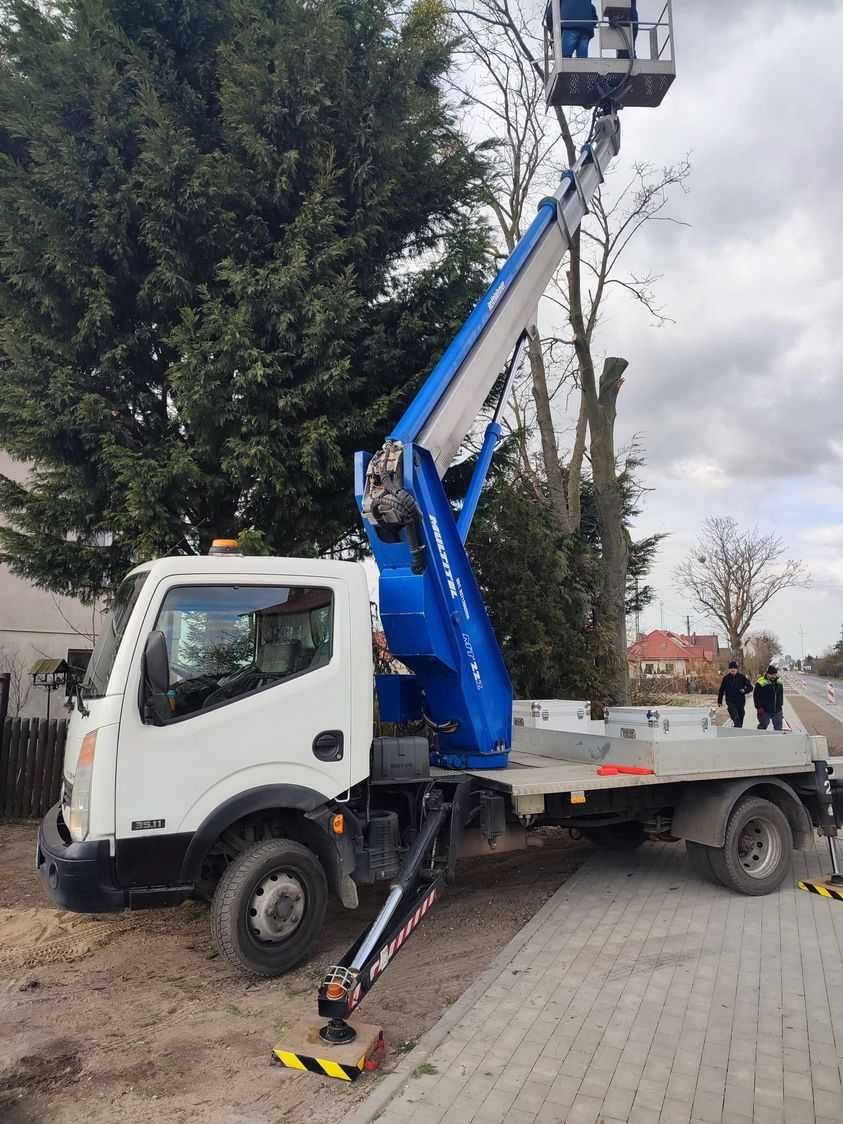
(543, 762)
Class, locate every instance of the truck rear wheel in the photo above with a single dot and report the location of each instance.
(269, 906)
(757, 852)
(616, 836)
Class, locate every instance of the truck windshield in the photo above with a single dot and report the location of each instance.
(95, 683)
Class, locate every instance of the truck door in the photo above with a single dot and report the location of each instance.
(259, 695)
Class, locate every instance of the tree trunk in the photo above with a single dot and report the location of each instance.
(609, 504)
(575, 467)
(550, 452)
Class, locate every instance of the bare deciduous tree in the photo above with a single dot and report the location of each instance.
(760, 650)
(504, 50)
(731, 575)
(20, 681)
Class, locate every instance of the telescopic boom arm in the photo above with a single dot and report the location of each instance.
(431, 607)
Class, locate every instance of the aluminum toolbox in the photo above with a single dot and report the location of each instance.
(659, 723)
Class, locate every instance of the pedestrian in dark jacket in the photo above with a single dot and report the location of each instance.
(768, 697)
(734, 688)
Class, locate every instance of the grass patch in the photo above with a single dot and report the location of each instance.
(405, 1047)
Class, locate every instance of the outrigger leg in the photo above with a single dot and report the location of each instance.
(833, 887)
(337, 1049)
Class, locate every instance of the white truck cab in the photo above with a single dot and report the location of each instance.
(222, 691)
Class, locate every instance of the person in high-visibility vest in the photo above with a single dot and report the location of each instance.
(768, 697)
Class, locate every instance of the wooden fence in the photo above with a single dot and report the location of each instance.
(31, 755)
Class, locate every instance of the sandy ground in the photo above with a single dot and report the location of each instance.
(134, 1018)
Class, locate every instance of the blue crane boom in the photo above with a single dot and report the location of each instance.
(431, 607)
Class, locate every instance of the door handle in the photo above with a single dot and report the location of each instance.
(328, 746)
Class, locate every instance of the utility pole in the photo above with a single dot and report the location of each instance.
(688, 627)
(637, 610)
(802, 638)
(661, 613)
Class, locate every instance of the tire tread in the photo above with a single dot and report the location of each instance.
(725, 862)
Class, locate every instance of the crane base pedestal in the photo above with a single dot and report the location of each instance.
(305, 1049)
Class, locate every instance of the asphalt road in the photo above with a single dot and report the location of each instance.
(815, 688)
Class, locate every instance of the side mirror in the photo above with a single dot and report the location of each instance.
(156, 678)
(156, 662)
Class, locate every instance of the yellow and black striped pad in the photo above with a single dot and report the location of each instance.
(324, 1066)
(823, 889)
(304, 1049)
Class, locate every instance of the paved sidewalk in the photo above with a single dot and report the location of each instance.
(641, 994)
(792, 718)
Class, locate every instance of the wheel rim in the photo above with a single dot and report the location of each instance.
(759, 848)
(276, 907)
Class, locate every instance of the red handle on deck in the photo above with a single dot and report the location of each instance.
(629, 770)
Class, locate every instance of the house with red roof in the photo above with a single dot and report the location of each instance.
(668, 654)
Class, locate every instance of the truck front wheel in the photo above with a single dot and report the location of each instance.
(758, 848)
(269, 906)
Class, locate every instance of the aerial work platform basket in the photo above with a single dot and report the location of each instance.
(630, 58)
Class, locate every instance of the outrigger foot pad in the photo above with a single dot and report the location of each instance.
(304, 1048)
(830, 889)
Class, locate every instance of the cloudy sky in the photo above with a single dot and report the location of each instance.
(739, 404)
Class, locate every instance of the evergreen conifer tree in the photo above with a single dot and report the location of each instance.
(234, 236)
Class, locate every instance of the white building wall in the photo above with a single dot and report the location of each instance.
(35, 624)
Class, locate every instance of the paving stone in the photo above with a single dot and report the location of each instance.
(650, 1095)
(708, 1107)
(627, 1076)
(765, 1115)
(739, 1100)
(681, 1086)
(826, 1077)
(798, 1111)
(584, 1110)
(643, 1116)
(575, 1065)
(596, 1082)
(519, 1116)
(686, 1062)
(564, 1089)
(551, 1114)
(796, 1061)
(675, 1112)
(458, 1114)
(828, 1104)
(798, 1085)
(618, 1102)
(711, 1080)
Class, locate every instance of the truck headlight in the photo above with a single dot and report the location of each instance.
(79, 816)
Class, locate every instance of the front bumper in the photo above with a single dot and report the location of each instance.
(77, 876)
